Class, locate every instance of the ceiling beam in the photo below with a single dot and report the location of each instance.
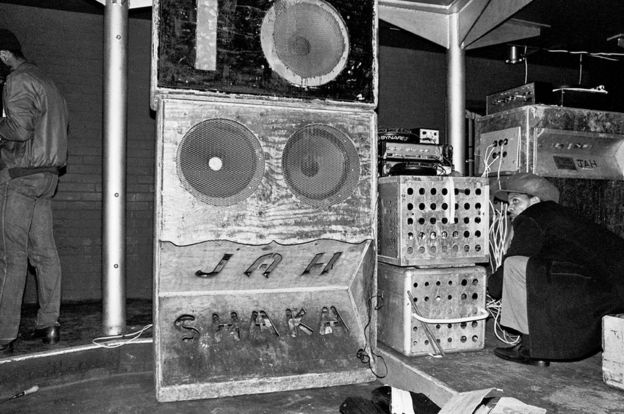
(510, 31)
(494, 13)
(433, 6)
(481, 22)
(430, 25)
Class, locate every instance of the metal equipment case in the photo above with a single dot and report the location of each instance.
(433, 221)
(580, 150)
(446, 294)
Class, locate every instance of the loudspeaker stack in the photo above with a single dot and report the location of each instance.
(432, 233)
(265, 259)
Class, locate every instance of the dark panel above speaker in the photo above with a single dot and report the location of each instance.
(292, 49)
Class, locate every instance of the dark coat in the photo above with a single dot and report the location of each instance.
(575, 276)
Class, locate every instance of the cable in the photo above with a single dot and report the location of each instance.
(361, 353)
(526, 67)
(115, 341)
(580, 80)
(499, 238)
(494, 307)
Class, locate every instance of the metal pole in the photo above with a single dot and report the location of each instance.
(456, 93)
(114, 186)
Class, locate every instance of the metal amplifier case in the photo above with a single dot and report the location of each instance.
(552, 141)
(433, 221)
(441, 294)
(408, 151)
(410, 135)
(528, 94)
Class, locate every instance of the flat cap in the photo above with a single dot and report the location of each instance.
(530, 184)
(8, 41)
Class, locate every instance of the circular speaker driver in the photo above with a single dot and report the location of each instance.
(220, 162)
(321, 165)
(305, 41)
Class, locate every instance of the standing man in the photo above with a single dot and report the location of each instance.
(560, 276)
(33, 147)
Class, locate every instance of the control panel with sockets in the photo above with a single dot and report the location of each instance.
(498, 150)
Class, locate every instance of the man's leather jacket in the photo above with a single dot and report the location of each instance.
(33, 132)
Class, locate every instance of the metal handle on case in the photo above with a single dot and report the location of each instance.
(483, 314)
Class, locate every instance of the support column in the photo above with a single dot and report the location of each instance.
(456, 95)
(114, 168)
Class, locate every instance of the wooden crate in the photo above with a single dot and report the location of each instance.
(613, 350)
(444, 294)
(233, 319)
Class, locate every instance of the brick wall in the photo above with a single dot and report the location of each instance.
(69, 46)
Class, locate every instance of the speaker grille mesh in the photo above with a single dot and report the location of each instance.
(220, 161)
(306, 42)
(321, 165)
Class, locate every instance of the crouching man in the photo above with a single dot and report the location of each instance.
(561, 274)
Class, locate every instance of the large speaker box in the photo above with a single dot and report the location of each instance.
(236, 319)
(265, 261)
(258, 172)
(292, 49)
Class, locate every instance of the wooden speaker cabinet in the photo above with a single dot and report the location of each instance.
(293, 49)
(237, 319)
(265, 261)
(258, 172)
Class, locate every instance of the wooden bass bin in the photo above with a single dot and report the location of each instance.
(265, 265)
(237, 319)
(454, 297)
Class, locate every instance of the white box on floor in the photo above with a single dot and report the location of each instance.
(613, 350)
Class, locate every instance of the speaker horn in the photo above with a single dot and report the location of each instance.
(305, 42)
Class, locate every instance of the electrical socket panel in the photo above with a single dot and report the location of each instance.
(498, 151)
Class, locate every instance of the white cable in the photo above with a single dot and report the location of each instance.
(488, 152)
(115, 341)
(526, 66)
(494, 306)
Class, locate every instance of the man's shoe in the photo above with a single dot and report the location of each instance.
(49, 335)
(6, 349)
(520, 354)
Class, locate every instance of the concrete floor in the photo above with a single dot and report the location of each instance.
(75, 376)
